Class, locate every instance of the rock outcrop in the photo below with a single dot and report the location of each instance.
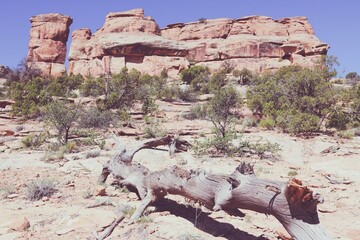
(127, 39)
(47, 47)
(258, 43)
(133, 40)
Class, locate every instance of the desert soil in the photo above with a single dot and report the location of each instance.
(66, 214)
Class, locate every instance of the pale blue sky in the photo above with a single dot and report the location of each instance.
(335, 22)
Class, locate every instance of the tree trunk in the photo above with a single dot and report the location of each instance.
(291, 203)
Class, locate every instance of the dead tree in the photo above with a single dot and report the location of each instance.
(291, 203)
(131, 175)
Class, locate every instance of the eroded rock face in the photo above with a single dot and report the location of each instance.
(126, 39)
(47, 47)
(258, 43)
(130, 39)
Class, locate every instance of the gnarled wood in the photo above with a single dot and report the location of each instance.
(131, 175)
(291, 203)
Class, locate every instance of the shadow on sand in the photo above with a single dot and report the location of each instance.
(204, 222)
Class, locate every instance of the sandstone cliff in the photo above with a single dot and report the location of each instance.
(133, 40)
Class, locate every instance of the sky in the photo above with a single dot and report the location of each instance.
(335, 22)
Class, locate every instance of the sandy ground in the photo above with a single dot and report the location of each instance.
(66, 215)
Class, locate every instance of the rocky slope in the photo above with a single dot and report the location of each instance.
(133, 40)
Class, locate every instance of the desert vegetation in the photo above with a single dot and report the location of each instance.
(204, 120)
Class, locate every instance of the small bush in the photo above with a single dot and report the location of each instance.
(195, 76)
(186, 94)
(149, 106)
(153, 130)
(217, 144)
(53, 155)
(34, 141)
(62, 116)
(346, 134)
(197, 111)
(292, 173)
(144, 220)
(298, 122)
(267, 123)
(169, 93)
(37, 189)
(94, 118)
(228, 66)
(71, 147)
(244, 76)
(261, 148)
(87, 193)
(339, 120)
(249, 122)
(202, 20)
(124, 116)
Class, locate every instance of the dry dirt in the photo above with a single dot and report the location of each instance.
(66, 215)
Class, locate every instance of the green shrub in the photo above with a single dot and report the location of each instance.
(62, 116)
(260, 148)
(153, 130)
(217, 81)
(186, 94)
(197, 73)
(228, 66)
(33, 140)
(91, 87)
(298, 122)
(339, 120)
(297, 98)
(37, 189)
(149, 106)
(169, 93)
(249, 122)
(267, 123)
(352, 75)
(36, 92)
(220, 109)
(292, 173)
(119, 90)
(244, 76)
(346, 134)
(197, 111)
(94, 118)
(124, 116)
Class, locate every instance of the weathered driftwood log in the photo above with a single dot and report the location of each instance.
(131, 175)
(294, 205)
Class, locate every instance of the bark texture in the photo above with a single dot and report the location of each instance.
(291, 203)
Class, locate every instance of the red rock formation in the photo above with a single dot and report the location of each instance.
(126, 39)
(130, 39)
(258, 43)
(47, 47)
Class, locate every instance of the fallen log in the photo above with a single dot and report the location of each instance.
(291, 203)
(131, 175)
